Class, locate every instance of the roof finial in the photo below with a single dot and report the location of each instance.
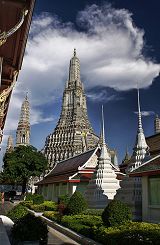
(139, 114)
(74, 51)
(26, 95)
(103, 134)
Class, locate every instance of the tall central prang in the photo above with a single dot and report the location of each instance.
(73, 133)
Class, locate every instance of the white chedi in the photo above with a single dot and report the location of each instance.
(104, 184)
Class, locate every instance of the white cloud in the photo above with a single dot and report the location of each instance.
(146, 113)
(102, 96)
(110, 50)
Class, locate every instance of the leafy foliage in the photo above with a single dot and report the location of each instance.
(116, 213)
(22, 163)
(88, 220)
(52, 215)
(45, 206)
(84, 224)
(17, 212)
(37, 207)
(50, 206)
(38, 199)
(96, 212)
(29, 197)
(30, 228)
(64, 199)
(130, 233)
(76, 204)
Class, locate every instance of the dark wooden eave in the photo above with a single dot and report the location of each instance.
(12, 51)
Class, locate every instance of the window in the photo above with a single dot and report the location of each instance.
(154, 190)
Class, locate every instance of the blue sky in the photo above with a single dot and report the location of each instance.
(118, 44)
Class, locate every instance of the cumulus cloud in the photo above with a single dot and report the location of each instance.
(109, 45)
(102, 96)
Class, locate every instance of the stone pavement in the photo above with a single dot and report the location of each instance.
(4, 208)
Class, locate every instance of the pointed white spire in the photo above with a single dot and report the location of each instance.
(104, 151)
(141, 147)
(104, 184)
(140, 129)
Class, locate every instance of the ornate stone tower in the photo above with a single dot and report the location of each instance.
(73, 133)
(23, 129)
(157, 125)
(10, 145)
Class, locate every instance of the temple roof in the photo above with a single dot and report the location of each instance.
(153, 142)
(67, 168)
(150, 167)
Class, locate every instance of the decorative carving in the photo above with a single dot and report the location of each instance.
(4, 35)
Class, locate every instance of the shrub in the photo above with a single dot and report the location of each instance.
(27, 203)
(84, 224)
(38, 207)
(17, 212)
(29, 197)
(50, 206)
(131, 233)
(96, 212)
(30, 228)
(76, 204)
(64, 199)
(52, 215)
(88, 220)
(116, 213)
(38, 199)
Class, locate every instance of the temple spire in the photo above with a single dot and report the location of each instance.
(10, 145)
(103, 133)
(141, 147)
(23, 129)
(74, 70)
(104, 151)
(104, 184)
(140, 129)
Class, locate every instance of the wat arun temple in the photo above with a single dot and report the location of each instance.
(73, 133)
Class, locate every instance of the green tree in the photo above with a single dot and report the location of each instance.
(22, 163)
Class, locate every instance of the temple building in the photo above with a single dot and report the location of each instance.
(75, 173)
(23, 129)
(73, 133)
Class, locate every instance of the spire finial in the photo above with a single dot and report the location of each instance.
(139, 113)
(74, 51)
(103, 134)
(26, 95)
